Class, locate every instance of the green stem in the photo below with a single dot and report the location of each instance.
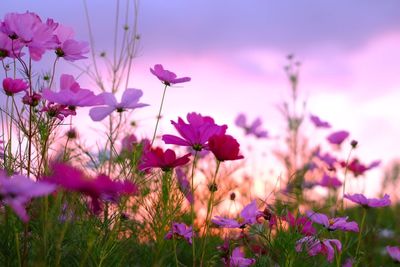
(159, 114)
(175, 254)
(360, 234)
(210, 206)
(192, 207)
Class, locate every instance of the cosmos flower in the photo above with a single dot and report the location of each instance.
(330, 182)
(14, 86)
(71, 94)
(248, 216)
(157, 158)
(394, 253)
(315, 246)
(9, 48)
(302, 224)
(224, 147)
(167, 77)
(195, 133)
(129, 100)
(180, 230)
(237, 259)
(369, 202)
(318, 122)
(333, 224)
(357, 168)
(72, 50)
(251, 129)
(338, 137)
(17, 190)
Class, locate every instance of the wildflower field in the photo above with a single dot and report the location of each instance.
(186, 195)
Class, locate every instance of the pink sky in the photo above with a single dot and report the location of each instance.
(235, 54)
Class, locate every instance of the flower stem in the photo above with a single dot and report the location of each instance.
(360, 234)
(192, 207)
(159, 115)
(210, 206)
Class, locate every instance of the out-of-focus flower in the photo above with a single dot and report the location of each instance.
(9, 48)
(330, 182)
(100, 188)
(157, 158)
(14, 86)
(315, 246)
(369, 202)
(394, 253)
(338, 137)
(357, 168)
(237, 259)
(224, 147)
(31, 100)
(248, 216)
(71, 95)
(184, 185)
(333, 224)
(17, 190)
(251, 129)
(318, 122)
(128, 143)
(57, 111)
(166, 76)
(348, 263)
(195, 133)
(180, 230)
(302, 224)
(327, 158)
(130, 100)
(29, 30)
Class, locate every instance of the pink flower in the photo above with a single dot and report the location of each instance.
(180, 230)
(338, 137)
(31, 100)
(302, 224)
(129, 100)
(330, 182)
(253, 128)
(128, 143)
(9, 48)
(72, 50)
(166, 76)
(14, 86)
(57, 111)
(237, 259)
(394, 253)
(369, 202)
(17, 190)
(184, 185)
(29, 29)
(195, 133)
(100, 188)
(71, 94)
(318, 122)
(248, 215)
(224, 147)
(315, 246)
(357, 168)
(157, 158)
(327, 159)
(333, 224)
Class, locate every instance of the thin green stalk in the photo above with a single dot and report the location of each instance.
(360, 234)
(192, 207)
(175, 254)
(210, 206)
(159, 114)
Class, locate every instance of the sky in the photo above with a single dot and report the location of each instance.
(235, 52)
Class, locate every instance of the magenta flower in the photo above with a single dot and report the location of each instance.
(17, 190)
(330, 182)
(14, 86)
(315, 246)
(357, 168)
(72, 50)
(71, 94)
(318, 122)
(99, 188)
(237, 259)
(180, 230)
(31, 100)
(157, 158)
(166, 76)
(394, 253)
(29, 29)
(9, 48)
(195, 133)
(224, 147)
(184, 185)
(129, 100)
(251, 129)
(128, 143)
(248, 216)
(333, 224)
(328, 159)
(338, 137)
(369, 202)
(302, 224)
(58, 111)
